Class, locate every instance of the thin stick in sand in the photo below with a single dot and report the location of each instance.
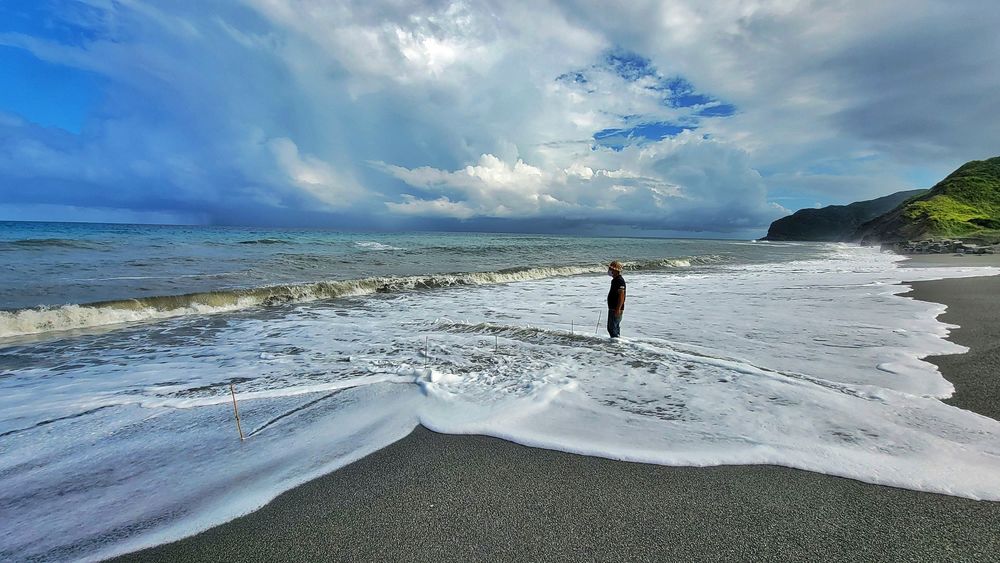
(236, 411)
(597, 327)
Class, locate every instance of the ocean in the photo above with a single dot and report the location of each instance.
(119, 345)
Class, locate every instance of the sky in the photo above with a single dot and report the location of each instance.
(673, 118)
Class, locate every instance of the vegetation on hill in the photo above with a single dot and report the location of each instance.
(834, 222)
(966, 204)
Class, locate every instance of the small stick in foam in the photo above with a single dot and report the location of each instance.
(236, 411)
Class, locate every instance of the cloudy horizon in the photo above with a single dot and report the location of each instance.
(679, 118)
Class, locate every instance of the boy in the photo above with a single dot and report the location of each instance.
(616, 299)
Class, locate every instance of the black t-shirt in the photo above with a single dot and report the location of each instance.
(617, 283)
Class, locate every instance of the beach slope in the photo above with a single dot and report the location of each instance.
(973, 305)
(441, 497)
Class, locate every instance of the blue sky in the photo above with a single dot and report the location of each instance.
(48, 94)
(681, 117)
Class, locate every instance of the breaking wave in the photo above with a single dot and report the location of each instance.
(373, 245)
(76, 316)
(668, 263)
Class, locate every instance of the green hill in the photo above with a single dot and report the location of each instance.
(834, 222)
(966, 204)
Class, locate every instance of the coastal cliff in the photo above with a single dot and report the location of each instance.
(966, 205)
(834, 222)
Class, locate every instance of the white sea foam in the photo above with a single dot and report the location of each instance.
(811, 364)
(73, 317)
(374, 245)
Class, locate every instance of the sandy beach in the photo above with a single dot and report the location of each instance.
(441, 497)
(974, 307)
(956, 260)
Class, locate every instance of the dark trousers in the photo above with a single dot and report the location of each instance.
(614, 324)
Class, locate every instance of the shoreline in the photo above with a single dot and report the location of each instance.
(451, 497)
(474, 498)
(973, 306)
(950, 260)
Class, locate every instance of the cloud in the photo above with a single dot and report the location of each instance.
(314, 176)
(682, 183)
(816, 81)
(655, 115)
(490, 188)
(440, 207)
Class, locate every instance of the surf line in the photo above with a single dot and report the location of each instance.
(427, 358)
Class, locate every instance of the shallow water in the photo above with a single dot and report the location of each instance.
(806, 359)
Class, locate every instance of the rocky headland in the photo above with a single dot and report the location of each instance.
(834, 223)
(960, 214)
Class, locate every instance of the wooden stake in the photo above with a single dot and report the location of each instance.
(236, 411)
(598, 327)
(496, 343)
(572, 327)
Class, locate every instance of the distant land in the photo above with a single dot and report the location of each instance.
(835, 223)
(964, 205)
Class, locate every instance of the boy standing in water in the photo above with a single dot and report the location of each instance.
(616, 299)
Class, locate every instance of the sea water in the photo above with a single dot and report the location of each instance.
(119, 344)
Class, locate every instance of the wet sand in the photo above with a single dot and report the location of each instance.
(974, 305)
(473, 498)
(958, 260)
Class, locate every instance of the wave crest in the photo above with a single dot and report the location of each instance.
(46, 243)
(374, 245)
(265, 241)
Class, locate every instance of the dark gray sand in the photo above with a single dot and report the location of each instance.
(974, 305)
(959, 260)
(433, 497)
